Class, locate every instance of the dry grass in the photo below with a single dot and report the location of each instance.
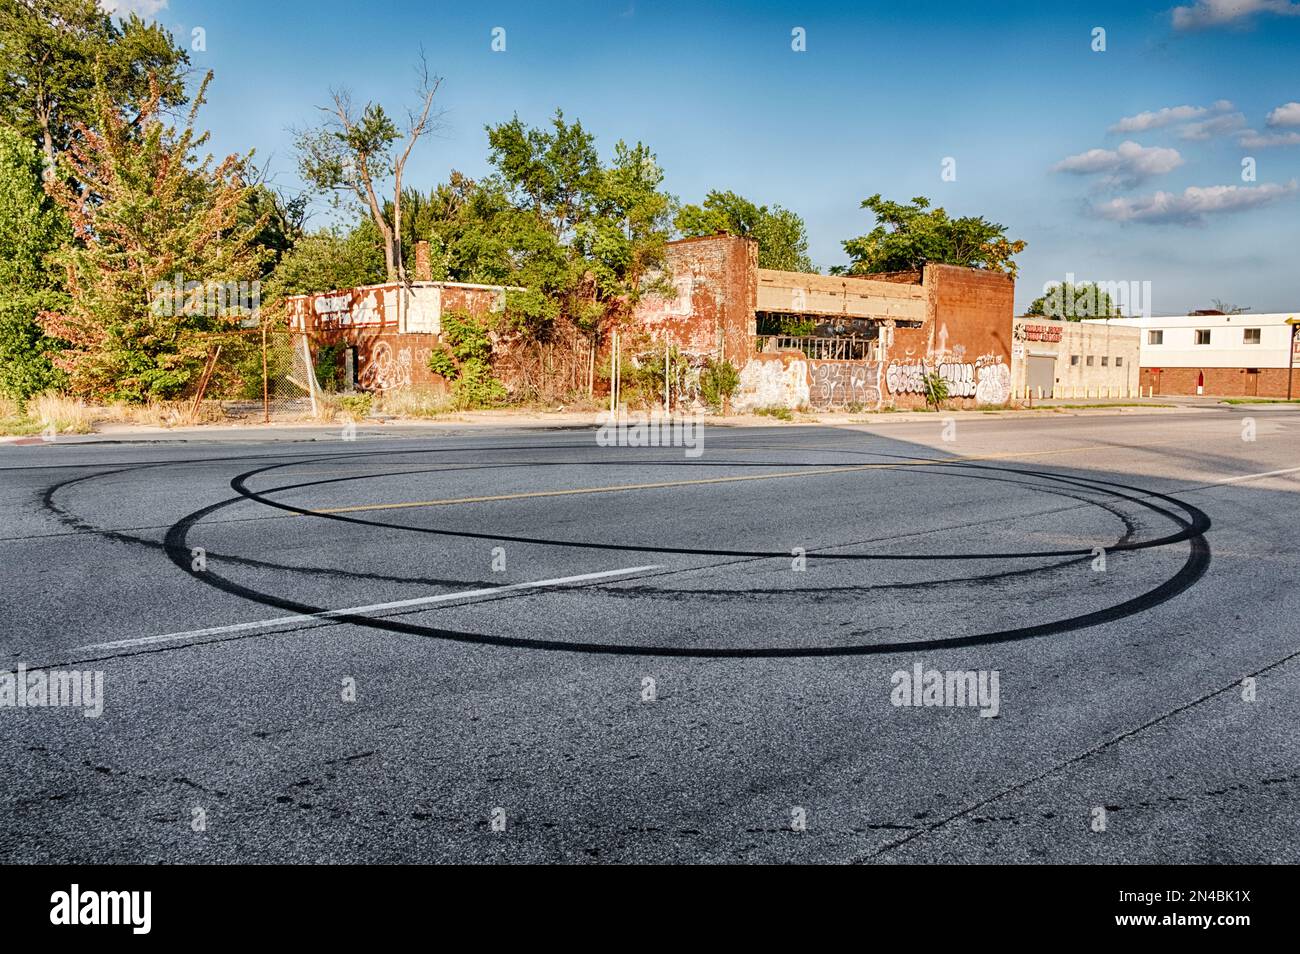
(410, 402)
(14, 422)
(63, 414)
(160, 413)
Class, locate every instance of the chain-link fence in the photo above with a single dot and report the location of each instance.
(258, 374)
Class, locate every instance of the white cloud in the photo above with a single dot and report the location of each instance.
(1160, 117)
(1128, 164)
(143, 8)
(1195, 202)
(1211, 13)
(1254, 140)
(1288, 114)
(1217, 126)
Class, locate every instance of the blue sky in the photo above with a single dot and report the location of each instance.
(1065, 145)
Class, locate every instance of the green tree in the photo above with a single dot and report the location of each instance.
(277, 222)
(53, 53)
(907, 237)
(147, 211)
(328, 260)
(31, 228)
(781, 234)
(1070, 302)
(585, 240)
(470, 224)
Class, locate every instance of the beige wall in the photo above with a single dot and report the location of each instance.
(1113, 350)
(839, 296)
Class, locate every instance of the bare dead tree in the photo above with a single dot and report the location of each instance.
(416, 126)
(351, 154)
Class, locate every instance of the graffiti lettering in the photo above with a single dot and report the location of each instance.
(906, 378)
(960, 379)
(994, 383)
(987, 379)
(844, 383)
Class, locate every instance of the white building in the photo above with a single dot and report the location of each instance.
(1228, 355)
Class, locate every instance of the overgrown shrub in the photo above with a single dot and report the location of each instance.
(467, 362)
(355, 405)
(328, 361)
(936, 390)
(718, 382)
(778, 411)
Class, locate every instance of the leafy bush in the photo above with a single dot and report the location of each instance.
(936, 389)
(476, 387)
(355, 405)
(467, 362)
(779, 411)
(328, 364)
(25, 367)
(718, 382)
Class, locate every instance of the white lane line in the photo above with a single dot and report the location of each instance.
(1271, 473)
(361, 610)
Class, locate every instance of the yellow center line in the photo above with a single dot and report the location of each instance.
(610, 490)
(659, 485)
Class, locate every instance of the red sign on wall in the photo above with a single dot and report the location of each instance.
(1042, 333)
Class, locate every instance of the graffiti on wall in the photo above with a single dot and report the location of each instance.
(386, 370)
(986, 379)
(906, 377)
(844, 383)
(960, 379)
(994, 383)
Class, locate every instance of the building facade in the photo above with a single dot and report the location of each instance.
(1224, 355)
(389, 331)
(861, 343)
(865, 343)
(1067, 360)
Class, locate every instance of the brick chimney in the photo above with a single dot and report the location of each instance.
(423, 264)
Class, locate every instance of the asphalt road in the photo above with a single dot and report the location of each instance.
(520, 646)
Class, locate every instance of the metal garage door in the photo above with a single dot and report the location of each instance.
(1042, 374)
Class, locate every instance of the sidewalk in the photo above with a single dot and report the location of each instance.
(460, 423)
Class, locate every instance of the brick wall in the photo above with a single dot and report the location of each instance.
(1221, 382)
(713, 312)
(966, 339)
(386, 358)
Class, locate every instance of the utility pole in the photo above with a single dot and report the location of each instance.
(1292, 323)
(668, 388)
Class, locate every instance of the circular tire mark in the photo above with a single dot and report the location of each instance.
(1192, 529)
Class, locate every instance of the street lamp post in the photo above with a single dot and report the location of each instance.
(1293, 322)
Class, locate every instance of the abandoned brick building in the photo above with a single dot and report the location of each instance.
(861, 343)
(865, 343)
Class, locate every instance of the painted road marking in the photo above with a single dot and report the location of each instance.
(362, 610)
(1268, 473)
(659, 485)
(604, 490)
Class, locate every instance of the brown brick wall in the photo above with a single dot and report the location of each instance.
(1221, 382)
(387, 359)
(713, 312)
(966, 336)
